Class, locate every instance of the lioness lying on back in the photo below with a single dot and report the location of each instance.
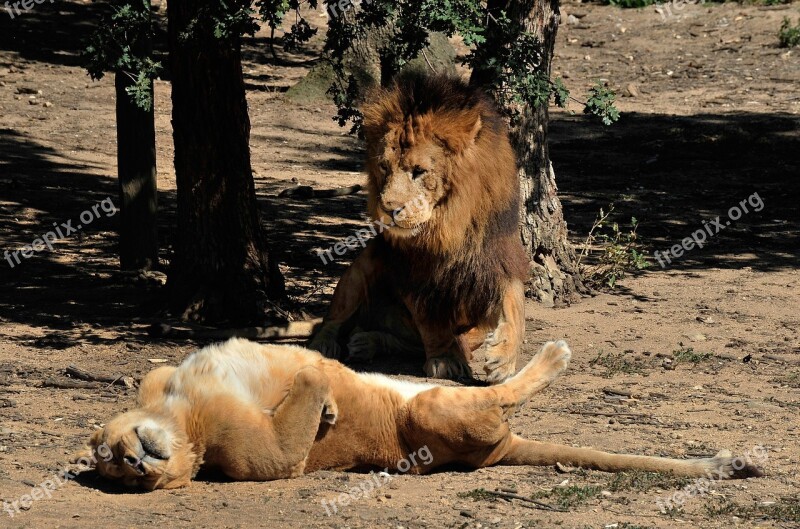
(261, 412)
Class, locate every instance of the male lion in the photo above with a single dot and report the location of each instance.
(261, 412)
(443, 181)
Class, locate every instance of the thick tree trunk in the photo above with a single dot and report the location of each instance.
(554, 269)
(136, 166)
(221, 271)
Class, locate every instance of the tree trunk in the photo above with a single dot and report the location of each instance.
(221, 271)
(554, 269)
(136, 167)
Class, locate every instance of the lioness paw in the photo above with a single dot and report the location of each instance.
(447, 367)
(554, 357)
(330, 412)
(725, 466)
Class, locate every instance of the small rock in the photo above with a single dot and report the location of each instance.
(668, 364)
(631, 90)
(48, 104)
(572, 19)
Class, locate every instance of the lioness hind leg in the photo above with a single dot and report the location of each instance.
(505, 341)
(259, 447)
(721, 466)
(460, 425)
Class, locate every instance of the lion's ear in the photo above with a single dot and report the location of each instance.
(458, 131)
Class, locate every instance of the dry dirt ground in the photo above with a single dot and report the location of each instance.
(681, 361)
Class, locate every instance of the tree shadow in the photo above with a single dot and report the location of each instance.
(675, 174)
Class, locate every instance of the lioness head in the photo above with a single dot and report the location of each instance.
(143, 449)
(420, 134)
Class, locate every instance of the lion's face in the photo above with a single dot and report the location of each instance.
(143, 449)
(409, 183)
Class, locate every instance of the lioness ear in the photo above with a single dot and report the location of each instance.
(458, 132)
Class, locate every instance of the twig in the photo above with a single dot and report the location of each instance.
(69, 384)
(609, 414)
(590, 238)
(620, 392)
(511, 496)
(118, 380)
(424, 54)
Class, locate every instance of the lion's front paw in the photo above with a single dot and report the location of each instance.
(447, 367)
(499, 367)
(363, 346)
(326, 342)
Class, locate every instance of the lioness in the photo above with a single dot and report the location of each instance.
(262, 412)
(448, 265)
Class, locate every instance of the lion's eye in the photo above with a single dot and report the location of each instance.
(385, 168)
(417, 172)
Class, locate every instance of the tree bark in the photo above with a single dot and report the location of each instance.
(221, 271)
(136, 167)
(555, 276)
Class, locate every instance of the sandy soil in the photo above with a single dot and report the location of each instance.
(710, 117)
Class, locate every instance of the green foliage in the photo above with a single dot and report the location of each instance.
(117, 45)
(510, 58)
(639, 480)
(570, 496)
(786, 510)
(141, 92)
(477, 495)
(688, 354)
(789, 36)
(601, 104)
(618, 363)
(620, 250)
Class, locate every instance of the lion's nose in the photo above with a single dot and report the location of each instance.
(391, 206)
(134, 462)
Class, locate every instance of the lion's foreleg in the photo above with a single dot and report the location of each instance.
(352, 291)
(503, 344)
(446, 355)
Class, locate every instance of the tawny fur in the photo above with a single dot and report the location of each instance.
(263, 412)
(443, 175)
